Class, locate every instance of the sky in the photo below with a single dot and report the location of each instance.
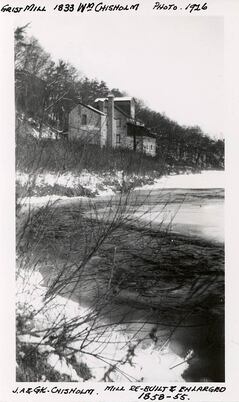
(174, 64)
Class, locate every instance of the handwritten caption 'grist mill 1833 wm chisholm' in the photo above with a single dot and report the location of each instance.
(102, 7)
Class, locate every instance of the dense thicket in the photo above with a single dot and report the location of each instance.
(46, 91)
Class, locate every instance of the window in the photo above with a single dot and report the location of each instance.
(118, 139)
(84, 120)
(118, 122)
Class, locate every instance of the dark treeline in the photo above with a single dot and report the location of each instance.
(47, 90)
(183, 146)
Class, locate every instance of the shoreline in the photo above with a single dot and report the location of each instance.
(68, 184)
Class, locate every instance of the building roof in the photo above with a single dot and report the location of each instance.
(95, 110)
(89, 107)
(116, 98)
(115, 106)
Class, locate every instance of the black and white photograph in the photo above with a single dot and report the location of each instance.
(119, 146)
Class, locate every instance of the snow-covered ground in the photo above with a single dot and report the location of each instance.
(111, 344)
(203, 180)
(106, 185)
(93, 182)
(89, 184)
(29, 126)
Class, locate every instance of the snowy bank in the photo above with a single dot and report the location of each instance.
(89, 182)
(49, 187)
(114, 343)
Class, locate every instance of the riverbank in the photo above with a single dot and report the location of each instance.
(44, 187)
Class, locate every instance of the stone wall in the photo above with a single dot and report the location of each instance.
(120, 129)
(87, 125)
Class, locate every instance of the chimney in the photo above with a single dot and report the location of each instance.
(100, 105)
(111, 137)
(132, 108)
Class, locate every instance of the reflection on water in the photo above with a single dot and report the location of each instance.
(207, 343)
(191, 350)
